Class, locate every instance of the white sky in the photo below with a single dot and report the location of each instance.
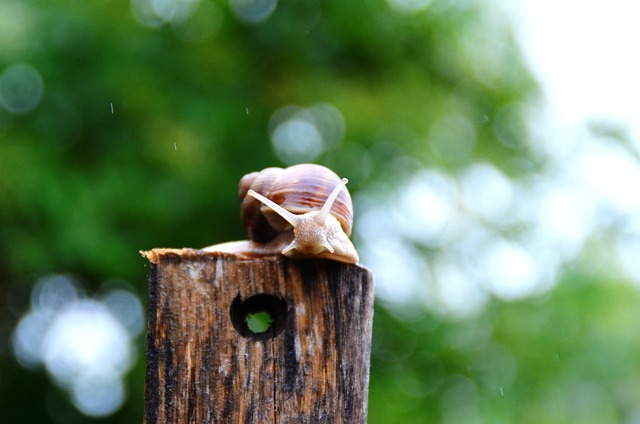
(585, 52)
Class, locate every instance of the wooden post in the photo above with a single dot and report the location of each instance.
(205, 364)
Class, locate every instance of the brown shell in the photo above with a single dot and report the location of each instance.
(299, 189)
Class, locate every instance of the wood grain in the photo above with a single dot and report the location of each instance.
(200, 369)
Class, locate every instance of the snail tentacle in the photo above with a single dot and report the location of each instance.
(293, 219)
(328, 204)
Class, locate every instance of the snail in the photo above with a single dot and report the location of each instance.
(303, 211)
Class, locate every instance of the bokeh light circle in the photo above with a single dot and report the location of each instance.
(21, 88)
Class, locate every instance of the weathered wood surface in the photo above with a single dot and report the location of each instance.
(200, 369)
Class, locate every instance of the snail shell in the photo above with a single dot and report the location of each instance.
(298, 189)
(301, 211)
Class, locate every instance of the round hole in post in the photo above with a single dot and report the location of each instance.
(259, 317)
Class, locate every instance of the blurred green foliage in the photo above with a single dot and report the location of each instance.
(143, 132)
(567, 357)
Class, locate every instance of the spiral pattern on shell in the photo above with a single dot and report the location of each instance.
(298, 189)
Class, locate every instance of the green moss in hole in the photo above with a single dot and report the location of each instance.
(259, 322)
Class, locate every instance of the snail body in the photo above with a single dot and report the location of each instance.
(303, 211)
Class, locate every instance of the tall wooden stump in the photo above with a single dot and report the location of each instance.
(205, 364)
